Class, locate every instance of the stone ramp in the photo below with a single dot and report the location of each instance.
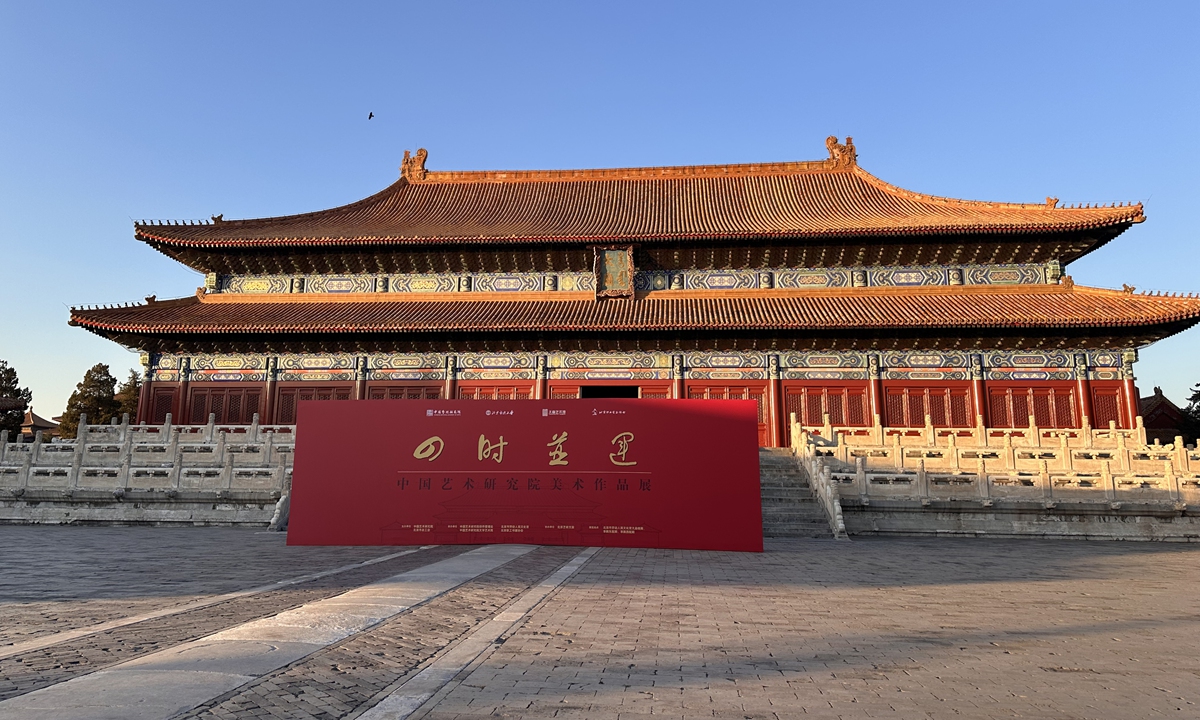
(788, 506)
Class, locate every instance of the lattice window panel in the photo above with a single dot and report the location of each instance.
(162, 405)
(1106, 406)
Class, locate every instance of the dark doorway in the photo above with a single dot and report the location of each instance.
(608, 391)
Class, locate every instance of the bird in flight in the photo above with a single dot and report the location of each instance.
(370, 115)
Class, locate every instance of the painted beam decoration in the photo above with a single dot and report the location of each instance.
(616, 473)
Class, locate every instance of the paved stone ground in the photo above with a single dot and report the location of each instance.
(60, 577)
(874, 628)
(904, 628)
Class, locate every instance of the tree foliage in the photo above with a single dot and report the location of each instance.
(10, 387)
(127, 395)
(94, 397)
(1191, 417)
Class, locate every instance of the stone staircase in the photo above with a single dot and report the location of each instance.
(788, 506)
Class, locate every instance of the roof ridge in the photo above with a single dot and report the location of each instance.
(653, 172)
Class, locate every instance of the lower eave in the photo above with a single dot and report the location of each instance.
(975, 316)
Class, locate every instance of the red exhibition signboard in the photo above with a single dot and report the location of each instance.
(618, 473)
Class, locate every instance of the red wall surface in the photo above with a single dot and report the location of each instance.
(618, 473)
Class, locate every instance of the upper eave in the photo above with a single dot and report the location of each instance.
(798, 200)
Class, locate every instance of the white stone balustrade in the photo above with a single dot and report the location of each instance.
(1101, 465)
(235, 473)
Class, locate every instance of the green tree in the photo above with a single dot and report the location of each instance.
(1191, 417)
(95, 397)
(127, 395)
(10, 388)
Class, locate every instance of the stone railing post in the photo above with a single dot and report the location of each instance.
(123, 472)
(208, 429)
(172, 441)
(227, 471)
(1182, 461)
(35, 452)
(76, 462)
(166, 426)
(952, 449)
(252, 435)
(269, 448)
(124, 426)
(176, 477)
(1107, 479)
(1122, 450)
(82, 431)
(929, 433)
(899, 452)
(922, 480)
(833, 504)
(219, 451)
(25, 475)
(3, 445)
(1068, 462)
(1036, 432)
(1044, 478)
(860, 477)
(1171, 480)
(985, 487)
(1010, 454)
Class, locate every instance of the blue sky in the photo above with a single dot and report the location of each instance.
(116, 111)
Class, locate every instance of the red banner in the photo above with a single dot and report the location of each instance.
(618, 473)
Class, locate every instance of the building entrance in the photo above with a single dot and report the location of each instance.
(608, 391)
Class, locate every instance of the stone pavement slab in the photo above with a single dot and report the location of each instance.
(902, 628)
(171, 681)
(61, 577)
(878, 628)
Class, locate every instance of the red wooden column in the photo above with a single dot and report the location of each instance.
(539, 388)
(268, 414)
(978, 391)
(1083, 388)
(774, 403)
(1130, 390)
(145, 396)
(875, 388)
(185, 373)
(451, 372)
(360, 383)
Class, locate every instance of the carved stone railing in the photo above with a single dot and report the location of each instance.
(1084, 465)
(820, 479)
(160, 464)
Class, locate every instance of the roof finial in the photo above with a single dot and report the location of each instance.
(841, 155)
(1051, 202)
(412, 167)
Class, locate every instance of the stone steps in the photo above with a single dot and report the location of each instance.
(788, 506)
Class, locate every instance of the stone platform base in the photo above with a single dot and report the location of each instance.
(140, 508)
(1081, 520)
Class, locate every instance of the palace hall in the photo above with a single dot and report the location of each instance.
(814, 288)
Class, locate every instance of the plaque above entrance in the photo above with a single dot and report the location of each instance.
(607, 472)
